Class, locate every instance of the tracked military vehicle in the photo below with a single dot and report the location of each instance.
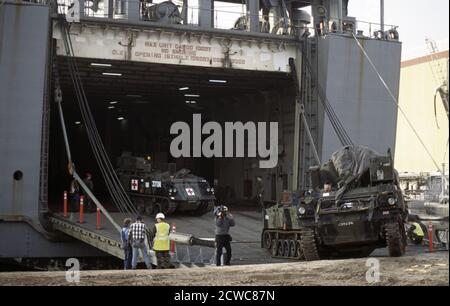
(364, 210)
(281, 236)
(163, 190)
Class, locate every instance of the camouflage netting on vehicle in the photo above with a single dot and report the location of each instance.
(352, 160)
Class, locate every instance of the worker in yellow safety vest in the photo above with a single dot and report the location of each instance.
(415, 233)
(161, 242)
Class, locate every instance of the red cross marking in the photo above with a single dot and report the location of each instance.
(134, 184)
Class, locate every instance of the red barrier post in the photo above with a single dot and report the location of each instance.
(172, 243)
(99, 226)
(430, 236)
(65, 204)
(81, 209)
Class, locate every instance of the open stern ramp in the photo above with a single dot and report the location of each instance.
(101, 239)
(245, 244)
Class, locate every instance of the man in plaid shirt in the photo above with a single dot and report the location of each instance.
(136, 236)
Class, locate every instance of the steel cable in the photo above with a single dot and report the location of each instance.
(87, 117)
(118, 194)
(112, 178)
(88, 125)
(396, 103)
(96, 153)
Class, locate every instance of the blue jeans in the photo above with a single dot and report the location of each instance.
(140, 245)
(127, 260)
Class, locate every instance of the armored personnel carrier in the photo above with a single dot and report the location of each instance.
(281, 236)
(361, 209)
(166, 191)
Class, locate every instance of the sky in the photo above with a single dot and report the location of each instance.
(416, 19)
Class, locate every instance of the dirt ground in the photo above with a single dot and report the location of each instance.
(419, 269)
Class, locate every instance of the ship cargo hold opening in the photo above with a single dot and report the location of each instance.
(135, 104)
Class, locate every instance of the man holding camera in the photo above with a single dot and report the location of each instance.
(224, 221)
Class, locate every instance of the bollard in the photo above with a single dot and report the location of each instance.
(430, 236)
(172, 243)
(65, 204)
(81, 210)
(99, 226)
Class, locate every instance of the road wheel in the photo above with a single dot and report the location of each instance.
(309, 246)
(280, 248)
(168, 208)
(164, 207)
(148, 211)
(274, 248)
(395, 239)
(286, 248)
(298, 251)
(267, 240)
(157, 208)
(291, 248)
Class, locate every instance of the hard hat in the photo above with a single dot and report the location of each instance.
(224, 208)
(160, 216)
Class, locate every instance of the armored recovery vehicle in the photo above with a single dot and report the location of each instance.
(363, 210)
(153, 191)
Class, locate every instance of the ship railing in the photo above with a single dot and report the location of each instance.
(224, 17)
(374, 30)
(199, 256)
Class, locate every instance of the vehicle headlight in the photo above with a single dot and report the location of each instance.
(347, 205)
(392, 201)
(302, 210)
